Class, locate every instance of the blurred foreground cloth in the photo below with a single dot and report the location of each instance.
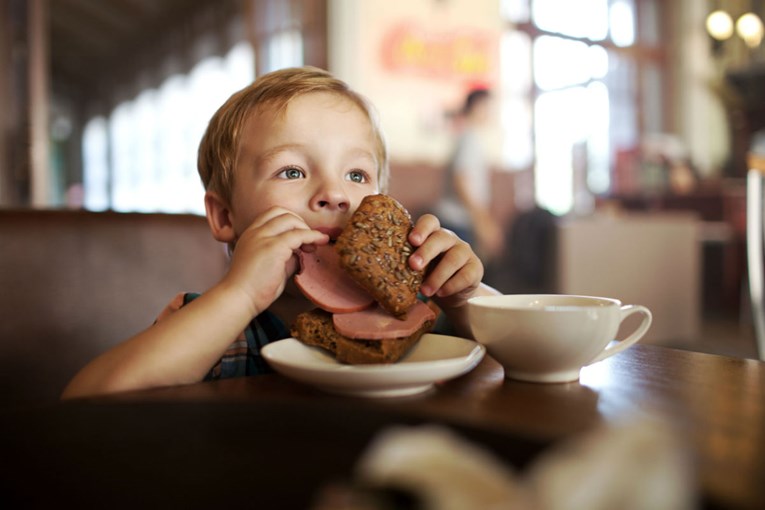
(635, 466)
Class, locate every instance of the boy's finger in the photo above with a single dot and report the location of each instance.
(449, 265)
(423, 228)
(439, 242)
(468, 277)
(300, 238)
(275, 225)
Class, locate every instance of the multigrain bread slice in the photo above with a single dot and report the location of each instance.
(375, 250)
(315, 328)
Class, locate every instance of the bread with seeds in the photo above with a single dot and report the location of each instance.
(374, 248)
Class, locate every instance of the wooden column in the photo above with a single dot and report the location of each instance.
(314, 21)
(39, 104)
(24, 104)
(13, 161)
(266, 18)
(5, 100)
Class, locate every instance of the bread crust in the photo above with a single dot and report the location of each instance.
(315, 328)
(374, 248)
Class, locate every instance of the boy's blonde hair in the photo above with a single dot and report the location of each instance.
(220, 143)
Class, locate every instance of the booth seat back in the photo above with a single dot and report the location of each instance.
(75, 283)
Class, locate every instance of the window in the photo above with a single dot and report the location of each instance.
(143, 157)
(577, 82)
(96, 165)
(284, 49)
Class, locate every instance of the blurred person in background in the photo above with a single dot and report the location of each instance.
(464, 205)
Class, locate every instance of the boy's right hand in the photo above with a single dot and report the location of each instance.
(264, 256)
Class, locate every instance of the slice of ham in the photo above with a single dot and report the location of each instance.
(377, 324)
(327, 285)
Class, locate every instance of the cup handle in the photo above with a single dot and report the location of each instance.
(626, 311)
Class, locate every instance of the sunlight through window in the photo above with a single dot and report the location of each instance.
(96, 165)
(124, 144)
(559, 62)
(584, 18)
(153, 139)
(285, 49)
(558, 117)
(145, 169)
(516, 11)
(622, 23)
(582, 98)
(174, 122)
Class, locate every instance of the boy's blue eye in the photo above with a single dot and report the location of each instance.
(291, 173)
(357, 176)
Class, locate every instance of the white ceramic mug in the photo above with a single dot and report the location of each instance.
(550, 337)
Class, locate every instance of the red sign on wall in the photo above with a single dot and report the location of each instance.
(462, 54)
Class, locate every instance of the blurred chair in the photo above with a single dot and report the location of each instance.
(76, 283)
(531, 252)
(754, 241)
(650, 259)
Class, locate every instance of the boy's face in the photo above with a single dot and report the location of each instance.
(316, 158)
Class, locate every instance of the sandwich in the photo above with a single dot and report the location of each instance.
(365, 293)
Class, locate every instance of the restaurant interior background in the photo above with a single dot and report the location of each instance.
(625, 119)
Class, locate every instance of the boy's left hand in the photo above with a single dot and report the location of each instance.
(457, 272)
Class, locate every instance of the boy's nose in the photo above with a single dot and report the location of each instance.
(331, 197)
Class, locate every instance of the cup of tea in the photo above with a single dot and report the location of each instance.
(548, 338)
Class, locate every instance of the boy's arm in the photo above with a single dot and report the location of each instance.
(179, 349)
(182, 348)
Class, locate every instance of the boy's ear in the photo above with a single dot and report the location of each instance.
(219, 218)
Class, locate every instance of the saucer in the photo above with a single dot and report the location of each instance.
(433, 359)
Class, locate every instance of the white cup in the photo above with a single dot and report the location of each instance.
(548, 338)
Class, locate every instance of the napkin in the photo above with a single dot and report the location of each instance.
(446, 471)
(636, 465)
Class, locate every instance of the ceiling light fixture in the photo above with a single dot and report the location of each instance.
(720, 25)
(749, 28)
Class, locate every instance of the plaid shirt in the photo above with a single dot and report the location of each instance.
(243, 356)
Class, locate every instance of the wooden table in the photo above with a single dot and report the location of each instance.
(271, 441)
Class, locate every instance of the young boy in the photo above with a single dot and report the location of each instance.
(284, 162)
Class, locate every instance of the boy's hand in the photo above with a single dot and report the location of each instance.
(264, 256)
(457, 272)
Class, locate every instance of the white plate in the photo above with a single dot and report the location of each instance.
(434, 358)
